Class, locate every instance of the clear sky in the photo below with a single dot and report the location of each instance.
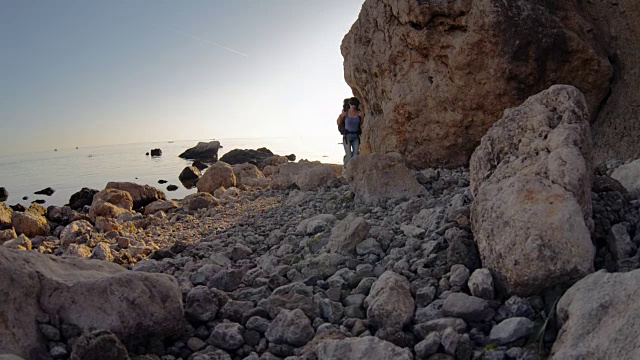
(81, 73)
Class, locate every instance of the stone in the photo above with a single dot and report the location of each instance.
(511, 329)
(4, 194)
(249, 175)
(428, 346)
(389, 303)
(139, 304)
(469, 308)
(160, 205)
(217, 175)
(200, 165)
(82, 198)
(366, 347)
(30, 224)
(292, 296)
(597, 318)
(99, 345)
(8, 234)
(202, 304)
(439, 325)
(481, 284)
(6, 214)
(110, 203)
(227, 336)
(226, 280)
(307, 176)
(76, 229)
(377, 178)
(201, 200)
(459, 275)
(290, 327)
(204, 151)
(347, 234)
(620, 243)
(467, 61)
(20, 243)
(462, 249)
(315, 224)
(532, 226)
(156, 152)
(189, 173)
(141, 195)
(102, 252)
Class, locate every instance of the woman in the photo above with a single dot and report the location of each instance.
(352, 120)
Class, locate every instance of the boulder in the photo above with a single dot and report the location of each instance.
(82, 198)
(316, 224)
(30, 224)
(464, 61)
(469, 308)
(6, 214)
(4, 194)
(199, 165)
(73, 231)
(217, 175)
(8, 234)
(275, 160)
(141, 194)
(200, 201)
(156, 152)
(347, 234)
(376, 178)
(249, 175)
(21, 243)
(160, 205)
(511, 329)
(366, 347)
(99, 345)
(189, 173)
(531, 180)
(389, 303)
(137, 304)
(241, 156)
(307, 176)
(173, 187)
(290, 327)
(48, 192)
(110, 203)
(203, 151)
(598, 318)
(628, 175)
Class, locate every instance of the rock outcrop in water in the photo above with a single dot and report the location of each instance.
(205, 152)
(433, 76)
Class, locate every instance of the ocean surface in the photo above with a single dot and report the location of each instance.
(69, 170)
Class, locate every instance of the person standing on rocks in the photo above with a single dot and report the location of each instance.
(352, 120)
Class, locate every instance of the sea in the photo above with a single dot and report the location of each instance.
(69, 170)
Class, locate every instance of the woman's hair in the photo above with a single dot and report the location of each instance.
(345, 104)
(354, 101)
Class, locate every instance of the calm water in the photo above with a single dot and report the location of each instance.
(69, 170)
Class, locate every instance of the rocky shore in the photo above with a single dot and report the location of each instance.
(302, 261)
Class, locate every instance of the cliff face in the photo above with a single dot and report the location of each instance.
(435, 75)
(617, 126)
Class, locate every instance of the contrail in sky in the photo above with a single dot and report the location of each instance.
(209, 42)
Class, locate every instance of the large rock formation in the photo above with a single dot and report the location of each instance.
(598, 318)
(434, 75)
(531, 178)
(616, 128)
(72, 291)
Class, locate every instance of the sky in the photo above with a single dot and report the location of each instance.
(81, 73)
